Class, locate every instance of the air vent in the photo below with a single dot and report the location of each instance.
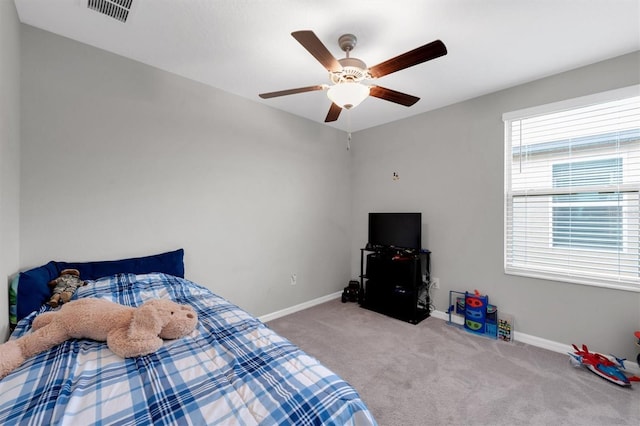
(117, 9)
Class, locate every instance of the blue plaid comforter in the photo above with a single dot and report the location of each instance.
(232, 370)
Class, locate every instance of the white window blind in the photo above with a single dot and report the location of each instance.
(572, 178)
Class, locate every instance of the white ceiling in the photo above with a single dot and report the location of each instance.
(245, 47)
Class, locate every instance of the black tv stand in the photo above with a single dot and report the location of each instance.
(391, 282)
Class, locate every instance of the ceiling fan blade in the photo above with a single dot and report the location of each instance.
(333, 114)
(290, 91)
(392, 96)
(429, 51)
(312, 43)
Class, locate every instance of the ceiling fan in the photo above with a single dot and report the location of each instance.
(347, 74)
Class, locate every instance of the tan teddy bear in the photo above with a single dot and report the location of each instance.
(129, 332)
(64, 287)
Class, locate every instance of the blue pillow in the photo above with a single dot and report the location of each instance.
(33, 289)
(170, 263)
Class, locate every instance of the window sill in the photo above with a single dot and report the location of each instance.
(601, 283)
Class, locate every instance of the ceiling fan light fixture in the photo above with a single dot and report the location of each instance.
(348, 95)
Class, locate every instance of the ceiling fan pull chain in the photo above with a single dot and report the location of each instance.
(348, 129)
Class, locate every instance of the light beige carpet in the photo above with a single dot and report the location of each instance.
(437, 374)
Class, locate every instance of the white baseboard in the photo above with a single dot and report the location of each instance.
(300, 307)
(630, 366)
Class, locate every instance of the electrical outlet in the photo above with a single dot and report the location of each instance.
(294, 279)
(435, 282)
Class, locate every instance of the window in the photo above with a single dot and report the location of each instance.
(572, 179)
(589, 220)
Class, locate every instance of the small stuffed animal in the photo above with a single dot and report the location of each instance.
(129, 332)
(64, 286)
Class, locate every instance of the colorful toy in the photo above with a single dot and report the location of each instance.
(602, 366)
(477, 315)
(637, 334)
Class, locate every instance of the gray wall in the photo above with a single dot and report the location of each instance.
(9, 154)
(121, 159)
(451, 168)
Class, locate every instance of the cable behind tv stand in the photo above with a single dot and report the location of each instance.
(391, 282)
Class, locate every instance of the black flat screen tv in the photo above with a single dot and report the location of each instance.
(395, 230)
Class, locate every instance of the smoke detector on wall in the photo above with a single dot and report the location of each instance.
(116, 9)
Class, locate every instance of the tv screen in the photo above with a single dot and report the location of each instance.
(400, 230)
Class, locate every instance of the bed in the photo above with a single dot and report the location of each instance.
(232, 370)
